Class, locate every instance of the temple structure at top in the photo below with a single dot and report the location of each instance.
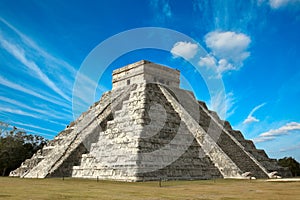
(145, 72)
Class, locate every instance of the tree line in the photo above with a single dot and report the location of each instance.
(292, 164)
(16, 146)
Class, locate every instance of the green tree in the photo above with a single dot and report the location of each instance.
(16, 146)
(291, 163)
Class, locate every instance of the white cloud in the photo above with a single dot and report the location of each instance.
(250, 117)
(219, 66)
(273, 133)
(228, 51)
(229, 45)
(263, 139)
(223, 104)
(208, 61)
(282, 130)
(186, 50)
(278, 3)
(275, 4)
(224, 65)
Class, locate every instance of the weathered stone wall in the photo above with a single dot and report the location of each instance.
(144, 141)
(172, 152)
(113, 155)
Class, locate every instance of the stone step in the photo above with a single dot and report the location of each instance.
(85, 126)
(226, 166)
(233, 148)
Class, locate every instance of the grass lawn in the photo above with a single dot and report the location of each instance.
(16, 188)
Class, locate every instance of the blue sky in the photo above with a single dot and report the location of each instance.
(251, 47)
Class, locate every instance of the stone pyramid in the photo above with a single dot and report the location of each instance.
(147, 128)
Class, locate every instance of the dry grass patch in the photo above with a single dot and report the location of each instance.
(15, 188)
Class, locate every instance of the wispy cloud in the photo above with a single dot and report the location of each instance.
(19, 112)
(273, 133)
(82, 93)
(42, 112)
(186, 50)
(56, 122)
(291, 148)
(51, 60)
(52, 64)
(161, 10)
(228, 51)
(227, 15)
(35, 132)
(250, 117)
(223, 104)
(35, 71)
(41, 69)
(45, 111)
(22, 125)
(25, 90)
